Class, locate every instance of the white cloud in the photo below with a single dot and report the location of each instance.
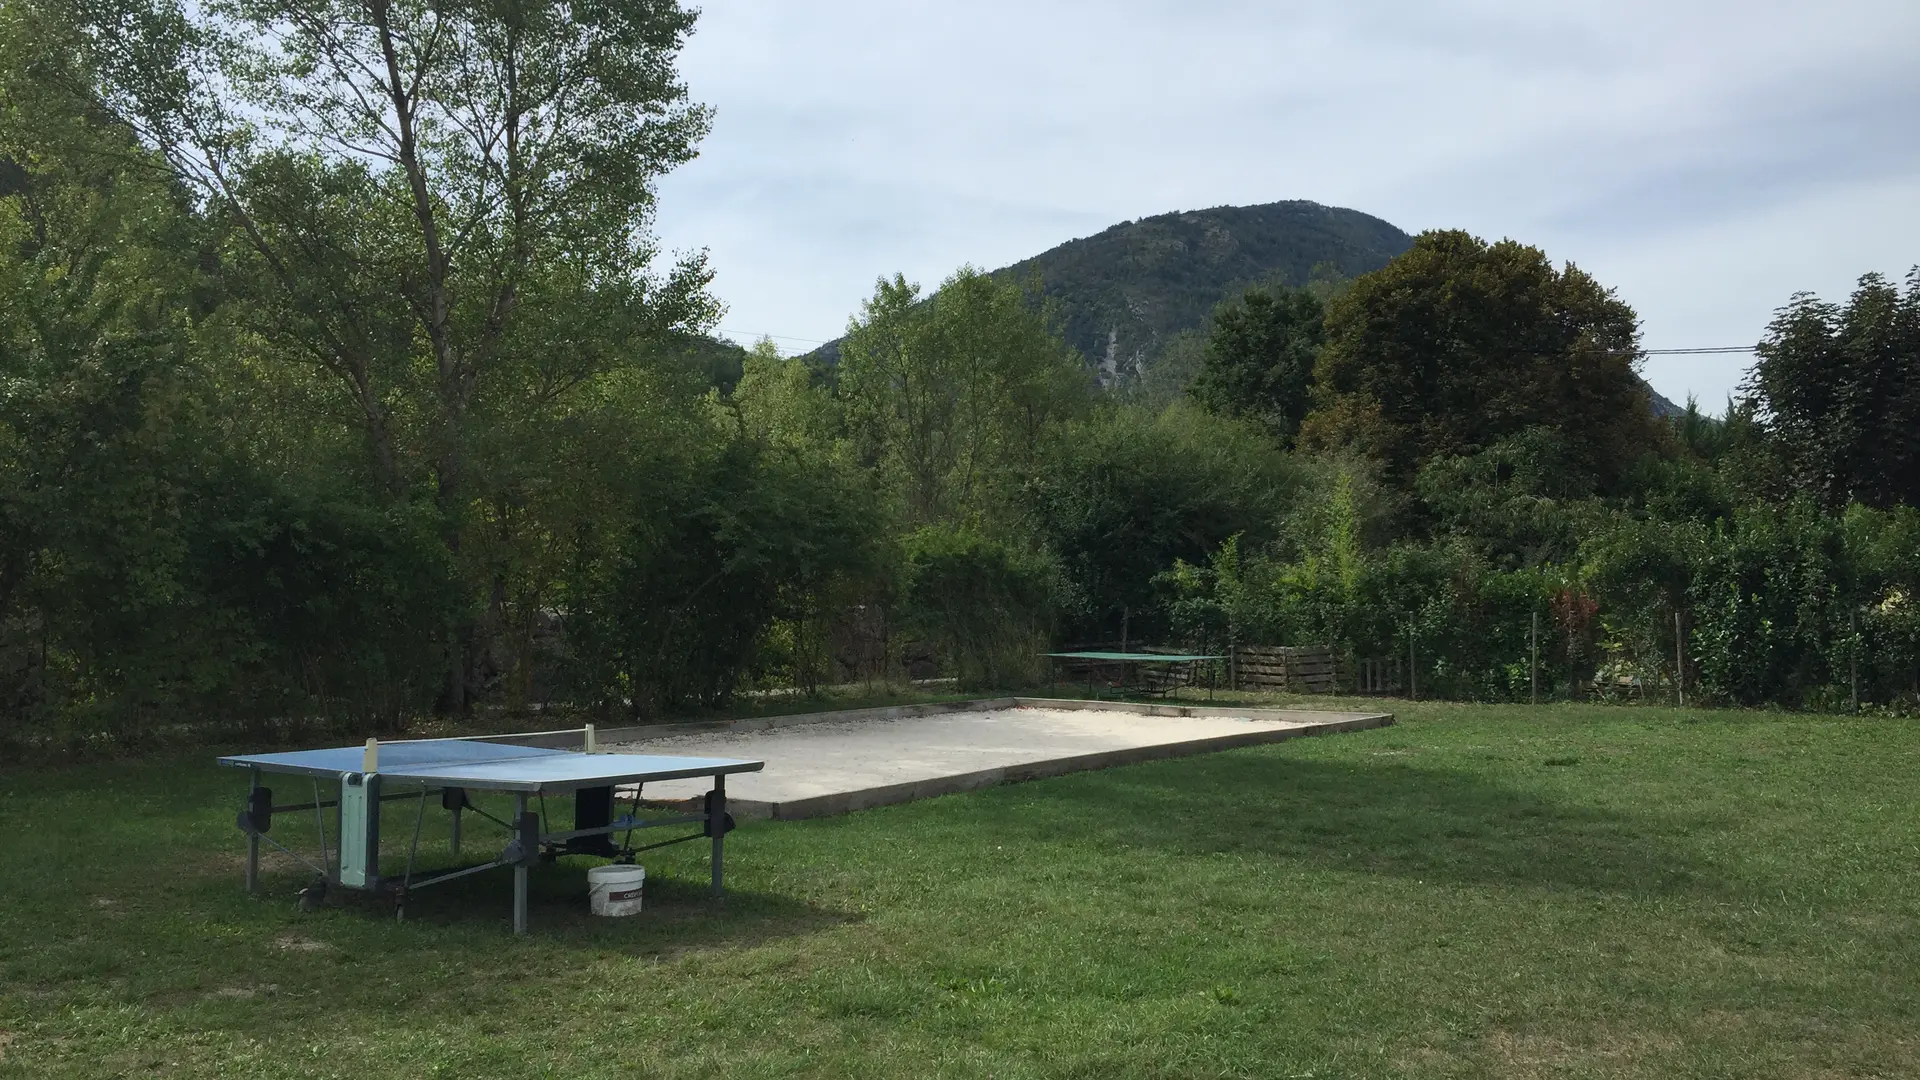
(1705, 158)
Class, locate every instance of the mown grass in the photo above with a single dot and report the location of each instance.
(1479, 891)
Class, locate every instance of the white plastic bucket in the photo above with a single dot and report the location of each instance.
(615, 890)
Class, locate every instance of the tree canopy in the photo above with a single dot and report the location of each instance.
(1459, 343)
(1260, 357)
(952, 396)
(1838, 385)
(443, 211)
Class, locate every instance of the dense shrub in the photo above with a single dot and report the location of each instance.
(986, 606)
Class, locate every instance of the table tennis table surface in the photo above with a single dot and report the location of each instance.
(1140, 657)
(491, 766)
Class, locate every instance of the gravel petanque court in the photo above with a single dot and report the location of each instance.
(842, 762)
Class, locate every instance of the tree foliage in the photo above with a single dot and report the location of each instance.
(1125, 492)
(950, 398)
(982, 602)
(1459, 344)
(1260, 355)
(1838, 388)
(445, 210)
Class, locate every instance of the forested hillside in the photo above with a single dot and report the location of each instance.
(1120, 296)
(341, 385)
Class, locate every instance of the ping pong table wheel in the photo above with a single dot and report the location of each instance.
(311, 898)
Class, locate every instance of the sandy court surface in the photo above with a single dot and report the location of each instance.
(834, 766)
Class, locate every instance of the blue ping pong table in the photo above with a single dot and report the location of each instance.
(360, 779)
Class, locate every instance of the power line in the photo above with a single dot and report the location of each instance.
(776, 337)
(1711, 351)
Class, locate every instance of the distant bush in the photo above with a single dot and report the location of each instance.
(985, 606)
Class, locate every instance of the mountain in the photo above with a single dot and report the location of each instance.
(1662, 408)
(1121, 294)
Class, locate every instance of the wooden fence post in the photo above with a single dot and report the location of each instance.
(1679, 660)
(1533, 667)
(1853, 656)
(1413, 676)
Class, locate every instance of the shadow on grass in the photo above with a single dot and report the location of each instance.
(1380, 818)
(678, 914)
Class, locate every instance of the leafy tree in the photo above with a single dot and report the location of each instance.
(1458, 344)
(101, 408)
(983, 603)
(1837, 389)
(1881, 643)
(701, 545)
(1260, 354)
(1520, 501)
(444, 209)
(949, 398)
(1125, 493)
(1763, 600)
(785, 406)
(784, 401)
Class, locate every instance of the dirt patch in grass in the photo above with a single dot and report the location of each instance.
(1514, 1055)
(240, 993)
(297, 943)
(1602, 1052)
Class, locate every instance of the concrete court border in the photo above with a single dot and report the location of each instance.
(1308, 722)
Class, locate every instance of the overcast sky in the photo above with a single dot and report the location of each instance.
(1705, 159)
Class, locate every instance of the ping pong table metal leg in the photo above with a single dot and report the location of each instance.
(717, 826)
(520, 872)
(453, 841)
(253, 841)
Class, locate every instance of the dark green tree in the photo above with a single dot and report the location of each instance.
(1126, 493)
(1260, 355)
(982, 603)
(1837, 389)
(1459, 344)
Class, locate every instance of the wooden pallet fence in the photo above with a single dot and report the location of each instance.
(1311, 669)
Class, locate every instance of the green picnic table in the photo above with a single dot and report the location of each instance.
(1095, 659)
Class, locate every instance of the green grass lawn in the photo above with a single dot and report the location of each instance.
(1478, 891)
